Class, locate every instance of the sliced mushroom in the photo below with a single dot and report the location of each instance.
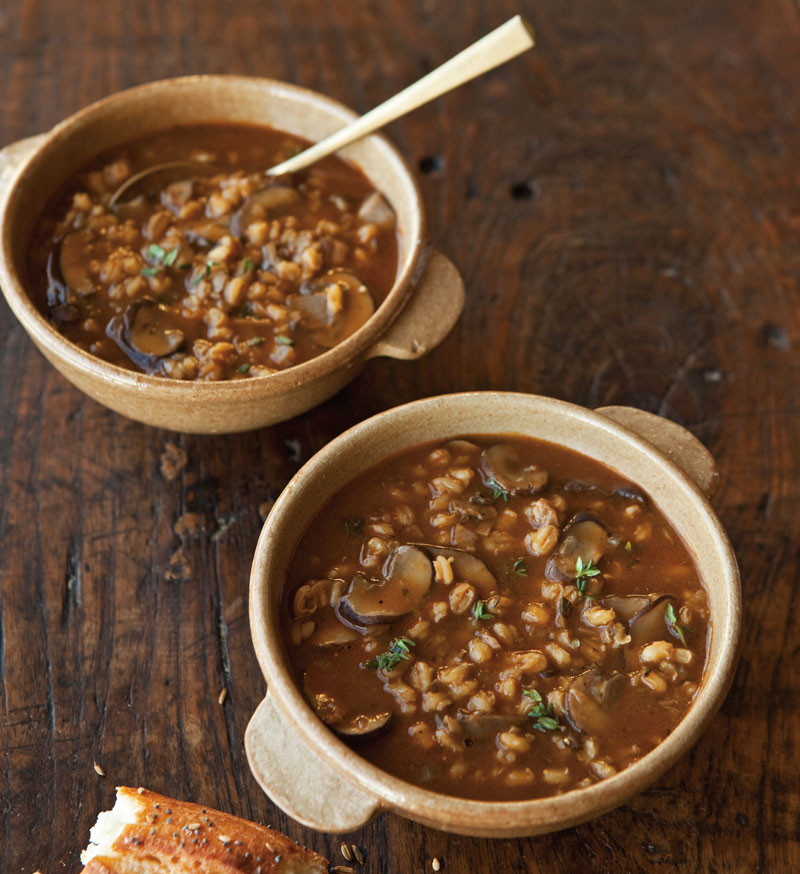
(146, 332)
(362, 724)
(177, 194)
(630, 493)
(64, 314)
(589, 701)
(626, 606)
(503, 468)
(76, 252)
(334, 714)
(466, 566)
(583, 537)
(204, 231)
(481, 726)
(332, 307)
(333, 633)
(650, 623)
(376, 209)
(462, 447)
(262, 205)
(477, 510)
(408, 574)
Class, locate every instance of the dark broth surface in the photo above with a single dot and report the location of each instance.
(212, 270)
(495, 618)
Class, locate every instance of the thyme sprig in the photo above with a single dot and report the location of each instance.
(398, 651)
(544, 714)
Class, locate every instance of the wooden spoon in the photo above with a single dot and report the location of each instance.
(492, 50)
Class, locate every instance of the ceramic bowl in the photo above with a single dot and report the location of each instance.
(419, 311)
(314, 776)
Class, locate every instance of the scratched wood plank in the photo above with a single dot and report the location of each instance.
(624, 205)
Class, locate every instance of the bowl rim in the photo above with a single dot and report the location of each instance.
(490, 817)
(346, 353)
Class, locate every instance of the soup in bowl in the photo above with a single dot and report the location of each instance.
(495, 614)
(210, 297)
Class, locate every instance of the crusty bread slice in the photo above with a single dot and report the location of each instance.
(146, 833)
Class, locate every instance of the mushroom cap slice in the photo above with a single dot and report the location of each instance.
(502, 466)
(407, 576)
(146, 332)
(626, 606)
(332, 307)
(584, 537)
(376, 209)
(333, 633)
(650, 623)
(466, 566)
(589, 701)
(262, 205)
(77, 250)
(337, 716)
(362, 724)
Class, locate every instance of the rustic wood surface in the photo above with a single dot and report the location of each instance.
(624, 205)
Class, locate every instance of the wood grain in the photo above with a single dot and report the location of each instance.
(624, 204)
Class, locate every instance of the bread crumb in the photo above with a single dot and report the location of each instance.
(436, 864)
(173, 461)
(222, 696)
(98, 769)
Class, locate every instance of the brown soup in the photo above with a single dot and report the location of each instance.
(496, 618)
(209, 269)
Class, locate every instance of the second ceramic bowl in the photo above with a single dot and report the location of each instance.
(323, 783)
(418, 313)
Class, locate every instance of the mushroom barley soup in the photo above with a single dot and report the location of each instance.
(209, 269)
(496, 618)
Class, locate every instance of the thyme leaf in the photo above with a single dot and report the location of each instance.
(479, 611)
(353, 526)
(398, 651)
(497, 490)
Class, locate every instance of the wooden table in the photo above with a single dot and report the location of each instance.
(624, 205)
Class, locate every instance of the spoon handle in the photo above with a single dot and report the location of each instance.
(494, 49)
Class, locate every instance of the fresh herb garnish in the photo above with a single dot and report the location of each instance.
(628, 546)
(244, 368)
(247, 265)
(160, 255)
(353, 526)
(583, 572)
(479, 611)
(150, 271)
(255, 341)
(674, 626)
(398, 651)
(497, 490)
(520, 567)
(284, 340)
(544, 714)
(205, 273)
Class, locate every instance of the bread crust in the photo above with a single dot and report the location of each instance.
(177, 835)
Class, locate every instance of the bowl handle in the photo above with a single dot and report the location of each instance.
(678, 444)
(298, 780)
(12, 156)
(429, 316)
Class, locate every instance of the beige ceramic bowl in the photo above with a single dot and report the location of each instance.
(320, 781)
(421, 308)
